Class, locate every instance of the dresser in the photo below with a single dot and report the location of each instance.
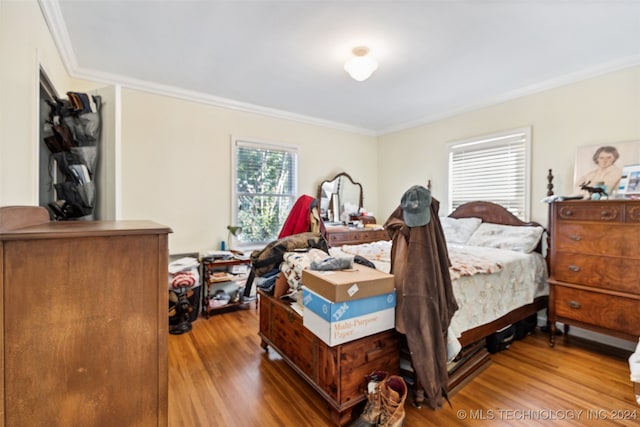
(84, 324)
(337, 373)
(338, 236)
(595, 266)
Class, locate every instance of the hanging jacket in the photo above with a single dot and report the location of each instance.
(302, 218)
(425, 302)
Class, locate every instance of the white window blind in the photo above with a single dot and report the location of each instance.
(265, 181)
(493, 168)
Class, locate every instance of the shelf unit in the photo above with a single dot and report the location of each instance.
(216, 277)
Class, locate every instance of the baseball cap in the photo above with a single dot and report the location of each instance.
(415, 206)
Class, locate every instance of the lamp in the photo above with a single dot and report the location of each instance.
(361, 66)
(234, 230)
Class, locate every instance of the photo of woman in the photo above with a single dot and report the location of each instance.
(606, 172)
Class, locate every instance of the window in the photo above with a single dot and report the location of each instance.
(265, 181)
(494, 168)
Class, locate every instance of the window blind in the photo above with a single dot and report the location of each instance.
(492, 168)
(264, 188)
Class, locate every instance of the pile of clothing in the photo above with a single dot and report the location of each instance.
(184, 278)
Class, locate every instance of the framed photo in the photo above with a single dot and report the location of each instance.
(630, 181)
(608, 163)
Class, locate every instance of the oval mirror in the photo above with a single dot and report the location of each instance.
(340, 197)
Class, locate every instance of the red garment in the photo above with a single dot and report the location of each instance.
(299, 219)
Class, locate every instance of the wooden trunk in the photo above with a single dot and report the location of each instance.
(338, 372)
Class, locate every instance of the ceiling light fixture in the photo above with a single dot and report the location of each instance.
(362, 65)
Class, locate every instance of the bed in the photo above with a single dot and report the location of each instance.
(491, 277)
(484, 307)
(496, 282)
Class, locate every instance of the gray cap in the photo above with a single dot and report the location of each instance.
(415, 206)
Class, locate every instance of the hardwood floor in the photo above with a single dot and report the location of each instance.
(220, 376)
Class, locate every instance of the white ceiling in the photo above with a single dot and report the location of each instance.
(285, 58)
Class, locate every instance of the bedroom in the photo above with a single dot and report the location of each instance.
(600, 109)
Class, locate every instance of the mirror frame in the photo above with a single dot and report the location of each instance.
(360, 201)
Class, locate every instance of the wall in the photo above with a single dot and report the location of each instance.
(176, 162)
(24, 43)
(600, 110)
(25, 46)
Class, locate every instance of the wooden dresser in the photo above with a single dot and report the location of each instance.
(595, 266)
(338, 236)
(84, 326)
(338, 372)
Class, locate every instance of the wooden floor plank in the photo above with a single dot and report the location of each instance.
(220, 376)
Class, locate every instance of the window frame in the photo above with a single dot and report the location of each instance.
(496, 139)
(264, 145)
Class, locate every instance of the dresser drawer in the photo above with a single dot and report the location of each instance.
(632, 213)
(361, 357)
(598, 239)
(355, 237)
(344, 238)
(591, 211)
(620, 274)
(593, 308)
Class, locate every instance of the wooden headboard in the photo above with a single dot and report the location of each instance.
(493, 213)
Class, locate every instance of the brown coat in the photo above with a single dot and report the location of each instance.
(425, 301)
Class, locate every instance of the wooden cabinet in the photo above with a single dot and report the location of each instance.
(337, 372)
(84, 324)
(595, 266)
(338, 236)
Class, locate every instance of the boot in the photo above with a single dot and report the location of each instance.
(393, 392)
(371, 413)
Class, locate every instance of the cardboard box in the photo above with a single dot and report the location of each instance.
(339, 322)
(347, 285)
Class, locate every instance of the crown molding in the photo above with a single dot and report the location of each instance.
(53, 17)
(55, 22)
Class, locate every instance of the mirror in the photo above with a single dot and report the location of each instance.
(340, 197)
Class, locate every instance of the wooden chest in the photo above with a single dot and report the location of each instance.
(595, 266)
(338, 372)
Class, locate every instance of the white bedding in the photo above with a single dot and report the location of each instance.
(516, 279)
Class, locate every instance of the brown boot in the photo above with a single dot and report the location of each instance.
(371, 413)
(393, 392)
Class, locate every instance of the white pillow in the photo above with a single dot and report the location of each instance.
(514, 238)
(458, 230)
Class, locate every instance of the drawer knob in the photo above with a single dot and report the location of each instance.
(575, 237)
(574, 304)
(574, 268)
(606, 214)
(567, 212)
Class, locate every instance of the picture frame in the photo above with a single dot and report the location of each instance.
(626, 160)
(630, 181)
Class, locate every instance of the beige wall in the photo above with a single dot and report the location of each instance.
(25, 46)
(600, 110)
(176, 162)
(24, 43)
